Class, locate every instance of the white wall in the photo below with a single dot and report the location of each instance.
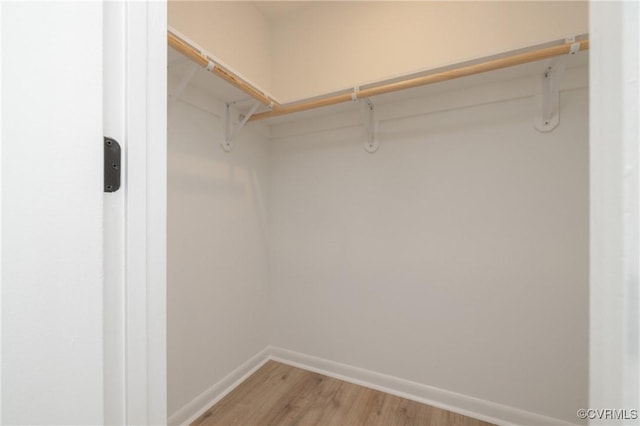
(456, 256)
(235, 32)
(217, 249)
(52, 213)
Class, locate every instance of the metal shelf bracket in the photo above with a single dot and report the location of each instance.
(547, 97)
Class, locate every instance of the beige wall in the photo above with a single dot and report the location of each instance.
(236, 33)
(328, 46)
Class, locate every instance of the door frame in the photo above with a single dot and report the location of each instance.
(614, 333)
(145, 212)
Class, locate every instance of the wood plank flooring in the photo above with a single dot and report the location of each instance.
(278, 394)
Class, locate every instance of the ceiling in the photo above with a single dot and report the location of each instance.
(275, 9)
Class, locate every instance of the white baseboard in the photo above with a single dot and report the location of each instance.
(197, 407)
(458, 403)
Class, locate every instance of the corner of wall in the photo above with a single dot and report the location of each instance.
(200, 404)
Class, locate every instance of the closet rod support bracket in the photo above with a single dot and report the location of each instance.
(229, 132)
(547, 97)
(184, 82)
(370, 126)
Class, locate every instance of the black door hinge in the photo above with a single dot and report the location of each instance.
(111, 165)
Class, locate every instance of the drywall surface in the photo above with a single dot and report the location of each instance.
(329, 46)
(322, 47)
(217, 255)
(52, 213)
(234, 32)
(456, 256)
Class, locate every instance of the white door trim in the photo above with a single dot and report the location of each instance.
(145, 213)
(614, 174)
(1, 215)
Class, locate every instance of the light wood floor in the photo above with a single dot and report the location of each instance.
(278, 394)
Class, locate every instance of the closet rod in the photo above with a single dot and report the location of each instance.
(490, 65)
(277, 109)
(204, 61)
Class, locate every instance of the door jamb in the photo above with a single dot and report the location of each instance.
(146, 212)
